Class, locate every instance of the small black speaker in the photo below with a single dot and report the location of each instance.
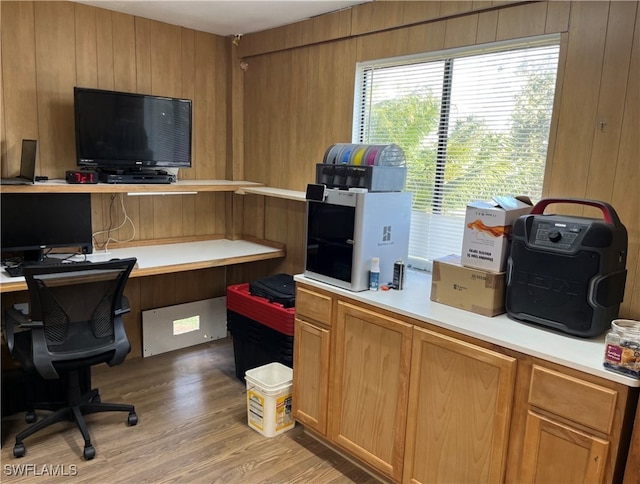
(567, 273)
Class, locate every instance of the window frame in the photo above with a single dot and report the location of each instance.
(363, 86)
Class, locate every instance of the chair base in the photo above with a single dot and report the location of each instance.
(78, 405)
(76, 413)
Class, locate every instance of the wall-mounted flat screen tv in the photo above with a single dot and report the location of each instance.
(130, 131)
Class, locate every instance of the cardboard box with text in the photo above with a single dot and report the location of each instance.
(487, 228)
(474, 290)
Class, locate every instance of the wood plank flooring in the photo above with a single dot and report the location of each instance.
(192, 428)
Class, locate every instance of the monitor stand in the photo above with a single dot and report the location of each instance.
(34, 255)
(37, 257)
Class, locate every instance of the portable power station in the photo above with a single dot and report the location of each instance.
(565, 272)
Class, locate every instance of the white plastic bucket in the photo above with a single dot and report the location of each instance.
(269, 399)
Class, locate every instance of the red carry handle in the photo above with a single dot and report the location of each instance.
(609, 214)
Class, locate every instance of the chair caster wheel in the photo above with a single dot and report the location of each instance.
(132, 419)
(19, 450)
(96, 399)
(30, 417)
(89, 452)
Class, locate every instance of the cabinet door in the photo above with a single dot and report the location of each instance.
(554, 452)
(370, 387)
(311, 375)
(459, 414)
(632, 470)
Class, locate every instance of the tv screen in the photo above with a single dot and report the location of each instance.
(34, 222)
(131, 131)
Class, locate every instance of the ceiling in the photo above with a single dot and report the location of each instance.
(228, 17)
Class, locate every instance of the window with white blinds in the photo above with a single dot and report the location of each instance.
(473, 124)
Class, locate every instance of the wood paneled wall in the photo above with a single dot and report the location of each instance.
(50, 47)
(299, 94)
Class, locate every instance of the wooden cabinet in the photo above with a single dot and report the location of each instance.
(311, 378)
(459, 411)
(554, 452)
(372, 356)
(632, 471)
(313, 305)
(417, 403)
(571, 429)
(572, 398)
(311, 356)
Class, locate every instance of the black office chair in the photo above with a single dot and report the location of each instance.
(76, 322)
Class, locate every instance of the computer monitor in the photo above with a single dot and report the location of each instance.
(34, 223)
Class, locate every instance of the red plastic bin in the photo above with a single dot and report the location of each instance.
(273, 315)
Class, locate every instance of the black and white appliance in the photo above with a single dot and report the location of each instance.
(345, 229)
(566, 272)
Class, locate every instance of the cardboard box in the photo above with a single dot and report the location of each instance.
(487, 225)
(474, 290)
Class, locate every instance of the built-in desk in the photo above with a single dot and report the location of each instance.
(167, 258)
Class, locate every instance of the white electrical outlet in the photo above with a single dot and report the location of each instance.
(22, 307)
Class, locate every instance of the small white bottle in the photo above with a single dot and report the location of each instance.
(374, 274)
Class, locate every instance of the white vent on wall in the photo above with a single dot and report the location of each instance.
(174, 327)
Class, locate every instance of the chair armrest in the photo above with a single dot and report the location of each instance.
(23, 321)
(15, 319)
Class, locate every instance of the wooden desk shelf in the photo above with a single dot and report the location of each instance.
(179, 257)
(60, 186)
(273, 192)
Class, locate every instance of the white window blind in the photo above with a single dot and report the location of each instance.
(473, 124)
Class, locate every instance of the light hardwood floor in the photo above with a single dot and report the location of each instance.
(192, 428)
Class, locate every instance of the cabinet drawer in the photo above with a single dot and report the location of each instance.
(313, 305)
(574, 399)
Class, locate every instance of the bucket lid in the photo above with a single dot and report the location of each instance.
(270, 376)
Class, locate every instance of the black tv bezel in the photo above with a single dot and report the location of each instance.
(127, 164)
(78, 203)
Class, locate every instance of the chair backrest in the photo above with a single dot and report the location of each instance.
(80, 306)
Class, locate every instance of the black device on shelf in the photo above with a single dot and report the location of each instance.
(131, 133)
(143, 176)
(33, 223)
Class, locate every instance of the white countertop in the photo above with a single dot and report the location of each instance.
(166, 258)
(167, 255)
(582, 354)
